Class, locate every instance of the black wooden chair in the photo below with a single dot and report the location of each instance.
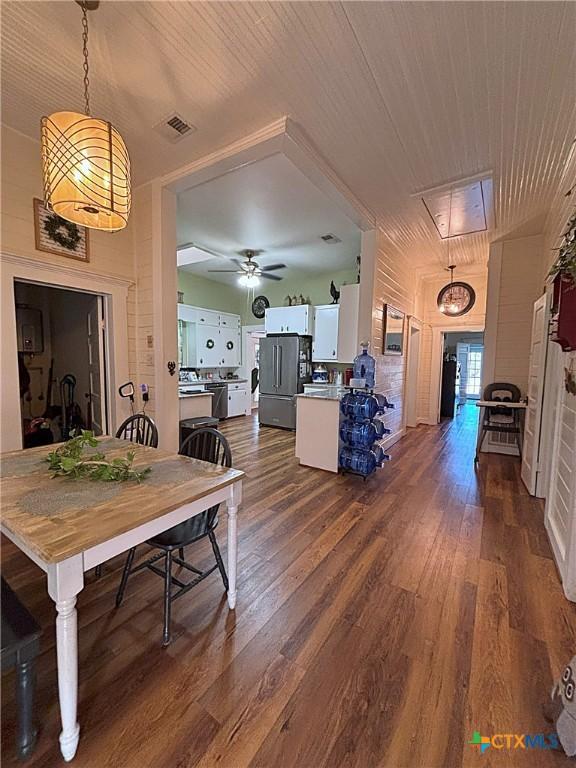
(20, 646)
(499, 418)
(136, 429)
(139, 429)
(207, 444)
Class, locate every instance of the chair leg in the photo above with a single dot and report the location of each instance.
(181, 553)
(125, 574)
(25, 681)
(218, 556)
(167, 596)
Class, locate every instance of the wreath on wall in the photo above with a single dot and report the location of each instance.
(63, 232)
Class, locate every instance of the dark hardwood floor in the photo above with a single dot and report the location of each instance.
(378, 624)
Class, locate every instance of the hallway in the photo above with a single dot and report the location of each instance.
(378, 623)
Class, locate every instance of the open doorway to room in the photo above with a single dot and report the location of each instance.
(61, 362)
(251, 351)
(462, 359)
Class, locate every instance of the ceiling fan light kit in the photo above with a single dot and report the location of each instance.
(85, 163)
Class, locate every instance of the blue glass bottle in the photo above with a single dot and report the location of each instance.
(358, 434)
(355, 460)
(365, 366)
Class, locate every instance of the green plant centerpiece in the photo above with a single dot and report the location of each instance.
(70, 460)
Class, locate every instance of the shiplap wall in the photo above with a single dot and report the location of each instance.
(432, 318)
(395, 283)
(520, 286)
(111, 254)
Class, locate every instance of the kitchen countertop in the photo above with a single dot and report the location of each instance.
(195, 394)
(333, 393)
(212, 381)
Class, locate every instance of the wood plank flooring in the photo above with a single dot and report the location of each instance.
(378, 624)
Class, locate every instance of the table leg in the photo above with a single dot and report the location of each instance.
(233, 502)
(65, 581)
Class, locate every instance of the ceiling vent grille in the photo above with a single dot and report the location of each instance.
(330, 239)
(174, 128)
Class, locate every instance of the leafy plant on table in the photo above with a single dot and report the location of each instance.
(69, 460)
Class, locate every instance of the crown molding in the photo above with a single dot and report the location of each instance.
(29, 262)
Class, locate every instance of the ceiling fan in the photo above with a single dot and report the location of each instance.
(250, 272)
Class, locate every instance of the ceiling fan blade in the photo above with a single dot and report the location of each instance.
(266, 276)
(273, 266)
(227, 271)
(237, 262)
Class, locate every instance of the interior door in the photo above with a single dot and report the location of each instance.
(96, 366)
(462, 351)
(533, 416)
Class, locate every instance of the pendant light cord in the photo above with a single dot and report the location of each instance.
(85, 53)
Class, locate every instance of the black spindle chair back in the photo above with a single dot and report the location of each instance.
(139, 429)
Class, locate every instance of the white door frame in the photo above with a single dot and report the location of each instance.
(412, 371)
(281, 137)
(247, 330)
(115, 294)
(438, 332)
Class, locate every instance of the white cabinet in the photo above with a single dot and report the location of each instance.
(207, 317)
(348, 341)
(230, 342)
(226, 320)
(187, 313)
(207, 352)
(237, 394)
(297, 319)
(325, 342)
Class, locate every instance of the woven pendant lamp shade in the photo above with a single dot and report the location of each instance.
(86, 171)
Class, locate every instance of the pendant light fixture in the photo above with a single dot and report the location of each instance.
(455, 299)
(85, 163)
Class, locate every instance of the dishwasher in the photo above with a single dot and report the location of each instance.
(219, 399)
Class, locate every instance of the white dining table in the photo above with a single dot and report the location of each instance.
(68, 527)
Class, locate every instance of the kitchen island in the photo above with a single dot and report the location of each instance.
(317, 428)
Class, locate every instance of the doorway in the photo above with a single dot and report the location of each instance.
(252, 337)
(62, 365)
(414, 333)
(458, 357)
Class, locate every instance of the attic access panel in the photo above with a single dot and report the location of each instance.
(462, 208)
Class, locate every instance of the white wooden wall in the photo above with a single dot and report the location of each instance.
(395, 283)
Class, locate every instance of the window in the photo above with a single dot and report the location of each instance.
(474, 372)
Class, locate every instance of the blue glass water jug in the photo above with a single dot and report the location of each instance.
(359, 406)
(363, 462)
(358, 435)
(365, 367)
(379, 455)
(380, 429)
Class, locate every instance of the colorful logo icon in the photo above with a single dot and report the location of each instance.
(481, 741)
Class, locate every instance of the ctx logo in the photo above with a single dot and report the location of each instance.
(515, 741)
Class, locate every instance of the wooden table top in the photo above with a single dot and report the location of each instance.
(60, 517)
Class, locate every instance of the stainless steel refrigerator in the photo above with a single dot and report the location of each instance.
(285, 366)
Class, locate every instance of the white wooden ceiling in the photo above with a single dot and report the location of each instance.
(397, 96)
(271, 206)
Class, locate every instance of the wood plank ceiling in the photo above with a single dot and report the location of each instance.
(397, 96)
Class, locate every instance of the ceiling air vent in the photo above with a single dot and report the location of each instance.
(174, 128)
(330, 239)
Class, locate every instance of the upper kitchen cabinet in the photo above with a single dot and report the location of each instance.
(348, 316)
(297, 319)
(187, 313)
(325, 344)
(230, 342)
(336, 328)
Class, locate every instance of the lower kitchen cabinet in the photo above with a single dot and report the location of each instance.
(237, 395)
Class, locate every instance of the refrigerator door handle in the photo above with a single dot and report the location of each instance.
(279, 366)
(274, 368)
